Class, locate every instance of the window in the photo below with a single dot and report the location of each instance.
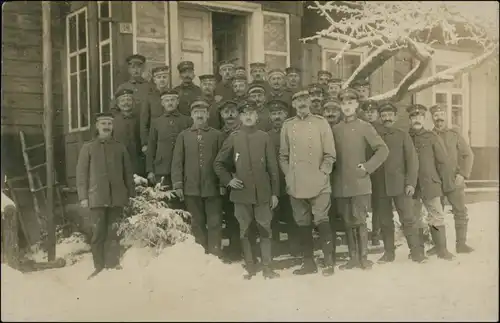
(105, 55)
(451, 95)
(344, 68)
(276, 40)
(78, 72)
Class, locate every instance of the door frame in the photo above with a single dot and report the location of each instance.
(255, 28)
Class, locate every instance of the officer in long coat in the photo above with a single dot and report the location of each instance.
(461, 159)
(104, 180)
(151, 107)
(351, 180)
(247, 164)
(136, 82)
(194, 178)
(395, 181)
(162, 137)
(187, 89)
(126, 129)
(307, 154)
(433, 175)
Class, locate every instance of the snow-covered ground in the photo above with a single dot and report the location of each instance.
(184, 284)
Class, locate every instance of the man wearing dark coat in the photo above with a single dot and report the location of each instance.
(257, 95)
(395, 181)
(224, 88)
(351, 177)
(194, 179)
(461, 159)
(247, 164)
(126, 129)
(187, 90)
(434, 177)
(105, 182)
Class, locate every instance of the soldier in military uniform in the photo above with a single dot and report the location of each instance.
(307, 154)
(278, 92)
(323, 78)
(240, 87)
(369, 113)
(104, 180)
(126, 129)
(395, 181)
(162, 137)
(258, 72)
(247, 164)
(293, 80)
(240, 71)
(257, 96)
(207, 85)
(187, 89)
(461, 159)
(194, 179)
(433, 175)
(136, 82)
(334, 86)
(317, 95)
(278, 114)
(363, 88)
(351, 176)
(151, 107)
(224, 88)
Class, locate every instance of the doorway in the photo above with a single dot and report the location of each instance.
(207, 37)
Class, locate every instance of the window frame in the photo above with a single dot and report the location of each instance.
(70, 55)
(109, 42)
(330, 45)
(287, 30)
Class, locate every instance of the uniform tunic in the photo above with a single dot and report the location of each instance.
(352, 139)
(126, 130)
(460, 155)
(225, 90)
(284, 96)
(307, 154)
(434, 170)
(150, 110)
(104, 174)
(187, 92)
(264, 120)
(252, 155)
(275, 135)
(162, 137)
(192, 165)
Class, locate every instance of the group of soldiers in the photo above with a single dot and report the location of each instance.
(253, 153)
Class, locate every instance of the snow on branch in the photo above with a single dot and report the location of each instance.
(383, 28)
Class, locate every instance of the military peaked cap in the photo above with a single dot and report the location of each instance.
(256, 87)
(275, 71)
(199, 103)
(277, 104)
(300, 93)
(257, 65)
(103, 115)
(246, 105)
(335, 81)
(160, 69)
(292, 70)
(185, 65)
(349, 92)
(436, 108)
(315, 87)
(241, 78)
(387, 106)
(331, 102)
(323, 72)
(123, 92)
(170, 92)
(369, 105)
(135, 58)
(226, 63)
(416, 109)
(358, 83)
(206, 77)
(228, 104)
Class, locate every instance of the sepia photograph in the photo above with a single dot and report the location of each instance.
(250, 161)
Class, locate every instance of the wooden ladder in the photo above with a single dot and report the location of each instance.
(36, 187)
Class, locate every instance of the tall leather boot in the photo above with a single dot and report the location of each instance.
(308, 264)
(389, 247)
(416, 247)
(327, 242)
(248, 257)
(252, 237)
(362, 235)
(266, 252)
(461, 246)
(439, 236)
(353, 250)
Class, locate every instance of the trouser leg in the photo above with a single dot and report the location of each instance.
(213, 210)
(244, 213)
(112, 242)
(345, 206)
(232, 227)
(382, 209)
(404, 207)
(333, 214)
(459, 210)
(376, 225)
(99, 233)
(437, 227)
(196, 207)
(320, 207)
(302, 214)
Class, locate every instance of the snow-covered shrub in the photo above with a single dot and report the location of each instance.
(149, 222)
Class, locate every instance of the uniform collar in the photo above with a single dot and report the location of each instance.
(276, 92)
(129, 116)
(440, 130)
(139, 80)
(249, 129)
(234, 127)
(172, 113)
(349, 121)
(104, 140)
(305, 117)
(190, 84)
(204, 128)
(417, 132)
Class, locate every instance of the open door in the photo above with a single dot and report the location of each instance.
(195, 35)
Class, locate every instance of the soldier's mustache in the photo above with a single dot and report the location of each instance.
(440, 120)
